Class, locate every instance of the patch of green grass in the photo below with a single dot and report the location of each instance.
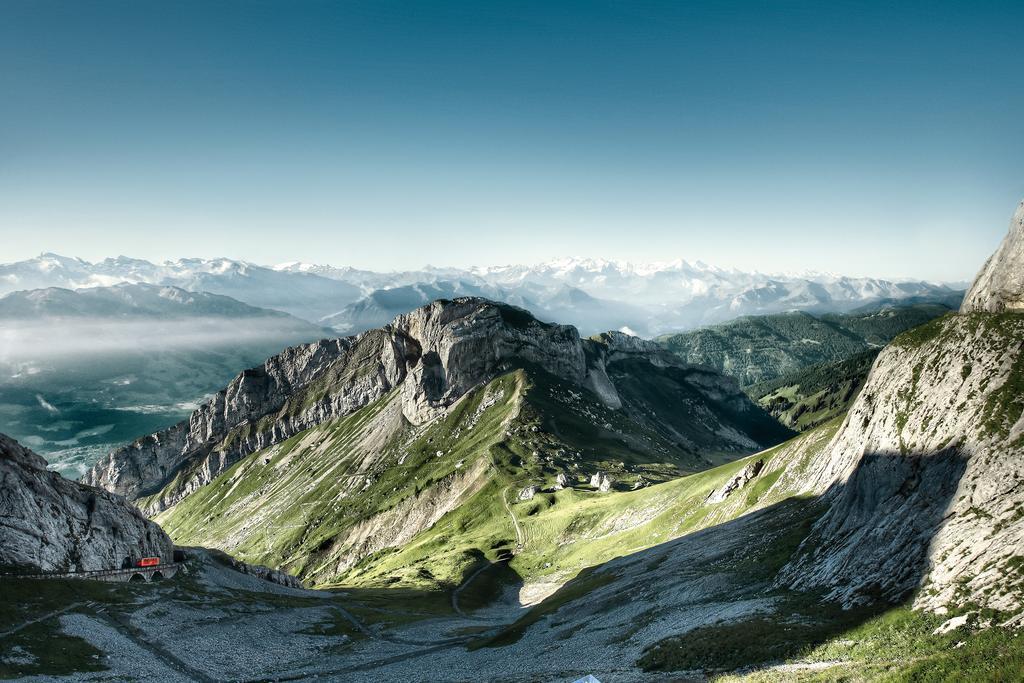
(518, 317)
(339, 624)
(761, 486)
(488, 585)
(899, 644)
(921, 335)
(994, 654)
(42, 650)
(810, 397)
(793, 630)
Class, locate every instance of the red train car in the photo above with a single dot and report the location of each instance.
(148, 562)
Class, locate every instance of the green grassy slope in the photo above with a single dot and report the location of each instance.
(807, 398)
(308, 504)
(370, 499)
(809, 640)
(287, 505)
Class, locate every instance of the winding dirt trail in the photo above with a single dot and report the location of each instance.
(520, 544)
(520, 535)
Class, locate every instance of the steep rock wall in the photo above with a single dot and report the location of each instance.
(925, 479)
(49, 523)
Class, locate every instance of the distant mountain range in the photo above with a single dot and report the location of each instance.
(303, 295)
(593, 294)
(126, 301)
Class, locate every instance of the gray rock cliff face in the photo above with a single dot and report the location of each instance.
(49, 523)
(142, 466)
(431, 357)
(925, 479)
(1000, 284)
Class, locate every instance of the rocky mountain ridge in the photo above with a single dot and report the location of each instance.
(1000, 284)
(432, 357)
(925, 479)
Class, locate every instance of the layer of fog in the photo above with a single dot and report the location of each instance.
(24, 341)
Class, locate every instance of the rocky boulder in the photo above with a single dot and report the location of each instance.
(602, 482)
(528, 493)
(737, 481)
(50, 524)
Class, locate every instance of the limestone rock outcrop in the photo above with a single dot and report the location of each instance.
(51, 524)
(925, 479)
(737, 481)
(1000, 284)
(528, 493)
(602, 482)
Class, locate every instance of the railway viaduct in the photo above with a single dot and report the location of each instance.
(129, 574)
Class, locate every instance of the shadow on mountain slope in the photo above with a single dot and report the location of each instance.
(726, 596)
(486, 582)
(711, 600)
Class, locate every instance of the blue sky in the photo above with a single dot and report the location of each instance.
(864, 138)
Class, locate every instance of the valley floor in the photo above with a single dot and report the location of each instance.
(618, 622)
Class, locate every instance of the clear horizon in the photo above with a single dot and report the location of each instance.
(853, 138)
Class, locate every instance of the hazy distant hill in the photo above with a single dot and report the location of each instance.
(762, 348)
(305, 295)
(812, 396)
(551, 304)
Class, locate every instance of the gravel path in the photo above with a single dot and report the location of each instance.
(126, 658)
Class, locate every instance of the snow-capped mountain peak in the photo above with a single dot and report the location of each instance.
(595, 293)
